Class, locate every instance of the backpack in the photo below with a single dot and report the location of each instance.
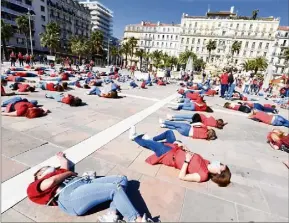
(230, 79)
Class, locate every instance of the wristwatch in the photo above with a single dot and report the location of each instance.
(186, 161)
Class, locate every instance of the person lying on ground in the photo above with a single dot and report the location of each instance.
(198, 118)
(18, 99)
(192, 166)
(24, 74)
(74, 195)
(3, 92)
(21, 87)
(161, 82)
(278, 140)
(65, 98)
(275, 120)
(132, 84)
(24, 108)
(265, 108)
(238, 107)
(103, 94)
(79, 84)
(62, 77)
(18, 79)
(52, 86)
(192, 106)
(194, 130)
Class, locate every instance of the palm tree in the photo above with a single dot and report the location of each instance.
(51, 37)
(211, 45)
(79, 46)
(6, 35)
(236, 46)
(260, 63)
(183, 57)
(96, 42)
(132, 42)
(173, 61)
(141, 54)
(286, 54)
(114, 52)
(125, 49)
(255, 14)
(166, 60)
(147, 57)
(23, 27)
(199, 64)
(157, 58)
(248, 65)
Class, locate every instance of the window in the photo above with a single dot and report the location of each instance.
(286, 34)
(260, 45)
(164, 29)
(28, 2)
(192, 48)
(219, 50)
(171, 44)
(199, 41)
(270, 35)
(244, 53)
(231, 25)
(182, 40)
(197, 49)
(157, 43)
(20, 41)
(253, 45)
(166, 44)
(168, 29)
(190, 25)
(42, 0)
(171, 36)
(267, 46)
(223, 33)
(247, 43)
(43, 18)
(176, 37)
(163, 37)
(237, 25)
(196, 24)
(141, 43)
(251, 53)
(265, 54)
(193, 40)
(188, 40)
(242, 34)
(186, 47)
(42, 8)
(251, 26)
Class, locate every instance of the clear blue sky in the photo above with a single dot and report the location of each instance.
(167, 11)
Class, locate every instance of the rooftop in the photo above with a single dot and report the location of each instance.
(150, 24)
(283, 28)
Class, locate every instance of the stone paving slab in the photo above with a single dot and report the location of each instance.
(10, 168)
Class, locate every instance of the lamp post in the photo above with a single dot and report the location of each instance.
(108, 51)
(29, 19)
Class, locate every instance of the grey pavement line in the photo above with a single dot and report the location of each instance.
(183, 204)
(14, 189)
(263, 196)
(11, 158)
(236, 210)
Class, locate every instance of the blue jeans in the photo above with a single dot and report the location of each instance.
(186, 106)
(57, 96)
(31, 74)
(20, 79)
(230, 91)
(114, 87)
(183, 118)
(95, 91)
(83, 195)
(280, 121)
(17, 99)
(58, 79)
(182, 128)
(158, 147)
(260, 107)
(224, 88)
(133, 84)
(246, 89)
(41, 85)
(184, 100)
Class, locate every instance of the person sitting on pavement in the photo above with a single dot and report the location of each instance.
(275, 120)
(65, 99)
(195, 130)
(198, 118)
(74, 195)
(170, 152)
(278, 140)
(238, 107)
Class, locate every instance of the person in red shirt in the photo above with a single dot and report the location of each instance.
(198, 118)
(20, 58)
(50, 86)
(265, 108)
(192, 106)
(3, 92)
(275, 120)
(194, 130)
(224, 83)
(28, 59)
(22, 87)
(65, 98)
(238, 107)
(76, 195)
(192, 166)
(12, 59)
(278, 140)
(143, 85)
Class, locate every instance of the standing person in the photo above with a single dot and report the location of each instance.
(247, 84)
(224, 83)
(232, 81)
(204, 76)
(260, 85)
(12, 59)
(20, 58)
(27, 58)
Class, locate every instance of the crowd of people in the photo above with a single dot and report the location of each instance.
(76, 195)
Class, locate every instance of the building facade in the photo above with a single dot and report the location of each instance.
(101, 18)
(280, 66)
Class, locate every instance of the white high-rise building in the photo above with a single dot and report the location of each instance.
(281, 43)
(101, 17)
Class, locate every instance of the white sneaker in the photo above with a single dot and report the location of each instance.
(162, 125)
(87, 93)
(108, 217)
(169, 117)
(161, 121)
(132, 133)
(146, 137)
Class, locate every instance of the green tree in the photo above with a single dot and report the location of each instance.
(211, 45)
(23, 27)
(6, 34)
(236, 46)
(184, 56)
(140, 54)
(51, 37)
(248, 65)
(199, 64)
(166, 60)
(286, 54)
(260, 63)
(157, 56)
(79, 46)
(173, 61)
(96, 42)
(147, 57)
(132, 42)
(125, 50)
(114, 52)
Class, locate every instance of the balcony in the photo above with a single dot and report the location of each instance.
(278, 64)
(283, 45)
(11, 22)
(22, 3)
(146, 38)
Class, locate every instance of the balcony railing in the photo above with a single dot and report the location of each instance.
(11, 22)
(22, 3)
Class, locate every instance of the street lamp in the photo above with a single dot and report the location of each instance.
(29, 19)
(109, 40)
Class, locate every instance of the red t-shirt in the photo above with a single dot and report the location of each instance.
(208, 121)
(211, 92)
(201, 107)
(65, 77)
(23, 87)
(20, 56)
(67, 100)
(11, 78)
(263, 117)
(43, 197)
(176, 157)
(160, 82)
(50, 87)
(20, 74)
(22, 107)
(200, 132)
(224, 78)
(143, 84)
(2, 91)
(193, 96)
(236, 107)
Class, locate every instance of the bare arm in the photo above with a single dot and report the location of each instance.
(12, 114)
(64, 163)
(273, 146)
(8, 94)
(55, 180)
(195, 177)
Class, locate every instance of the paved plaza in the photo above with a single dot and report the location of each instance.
(96, 138)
